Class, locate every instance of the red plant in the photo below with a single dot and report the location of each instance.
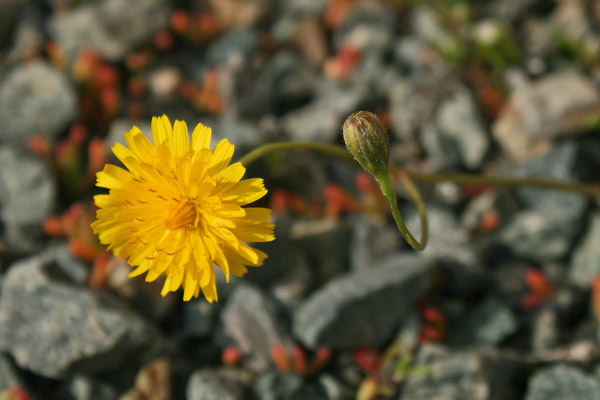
(15, 393)
(540, 289)
(82, 243)
(74, 167)
(198, 27)
(337, 12)
(206, 97)
(344, 63)
(596, 297)
(434, 326)
(339, 200)
(368, 359)
(299, 362)
(231, 355)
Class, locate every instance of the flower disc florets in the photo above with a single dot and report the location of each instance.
(177, 210)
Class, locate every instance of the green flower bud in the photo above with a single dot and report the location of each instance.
(367, 139)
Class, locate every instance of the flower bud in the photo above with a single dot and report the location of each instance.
(367, 139)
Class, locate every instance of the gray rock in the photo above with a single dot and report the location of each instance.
(235, 46)
(487, 325)
(36, 98)
(113, 28)
(563, 382)
(252, 320)
(86, 388)
(535, 112)
(428, 27)
(585, 262)
(545, 335)
(56, 329)
(563, 164)
(287, 386)
(510, 9)
(325, 242)
(320, 120)
(27, 195)
(282, 83)
(293, 12)
(369, 29)
(442, 153)
(10, 11)
(538, 235)
(28, 39)
(362, 308)
(213, 385)
(413, 99)
(334, 388)
(372, 242)
(457, 119)
(9, 377)
(472, 375)
(199, 318)
(448, 240)
(243, 134)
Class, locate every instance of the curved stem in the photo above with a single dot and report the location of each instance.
(265, 149)
(385, 184)
(484, 180)
(507, 181)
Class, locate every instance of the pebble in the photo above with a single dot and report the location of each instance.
(585, 262)
(87, 388)
(458, 120)
(209, 384)
(252, 319)
(9, 14)
(545, 335)
(283, 385)
(9, 376)
(362, 308)
(113, 28)
(36, 99)
(535, 113)
(538, 235)
(471, 374)
(27, 196)
(566, 162)
(57, 329)
(563, 382)
(320, 120)
(372, 242)
(487, 324)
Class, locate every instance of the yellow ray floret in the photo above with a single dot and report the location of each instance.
(177, 210)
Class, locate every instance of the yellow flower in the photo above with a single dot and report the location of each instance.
(178, 210)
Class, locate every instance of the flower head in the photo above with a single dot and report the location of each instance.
(177, 210)
(367, 140)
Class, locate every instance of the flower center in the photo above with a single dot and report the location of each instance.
(180, 215)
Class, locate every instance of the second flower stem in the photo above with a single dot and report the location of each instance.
(465, 179)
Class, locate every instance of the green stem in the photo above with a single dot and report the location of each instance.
(265, 149)
(385, 184)
(506, 181)
(484, 180)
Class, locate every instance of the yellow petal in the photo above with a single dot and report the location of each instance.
(180, 139)
(221, 156)
(140, 145)
(161, 130)
(201, 137)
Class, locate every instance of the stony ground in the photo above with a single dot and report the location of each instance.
(503, 304)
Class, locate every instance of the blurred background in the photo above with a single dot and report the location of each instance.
(503, 304)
